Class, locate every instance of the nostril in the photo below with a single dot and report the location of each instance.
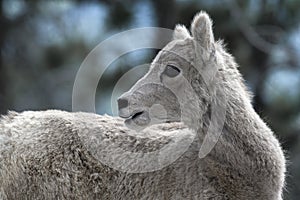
(122, 103)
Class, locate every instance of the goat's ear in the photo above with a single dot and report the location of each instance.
(180, 32)
(201, 29)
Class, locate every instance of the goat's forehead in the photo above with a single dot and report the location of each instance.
(175, 49)
(174, 52)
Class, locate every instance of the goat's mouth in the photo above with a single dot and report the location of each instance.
(136, 115)
(140, 118)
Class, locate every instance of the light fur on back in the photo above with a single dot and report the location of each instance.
(43, 155)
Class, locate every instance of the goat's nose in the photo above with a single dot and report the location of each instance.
(122, 103)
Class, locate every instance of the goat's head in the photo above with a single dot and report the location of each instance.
(174, 89)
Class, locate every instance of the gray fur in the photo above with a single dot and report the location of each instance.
(247, 162)
(44, 155)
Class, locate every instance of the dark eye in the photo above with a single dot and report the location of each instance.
(171, 71)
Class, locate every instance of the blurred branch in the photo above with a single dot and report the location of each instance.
(251, 35)
(255, 38)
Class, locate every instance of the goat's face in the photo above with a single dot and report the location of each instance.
(172, 87)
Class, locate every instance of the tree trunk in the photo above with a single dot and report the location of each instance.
(166, 13)
(3, 102)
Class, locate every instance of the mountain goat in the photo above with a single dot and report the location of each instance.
(60, 155)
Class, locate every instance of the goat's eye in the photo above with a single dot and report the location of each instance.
(171, 71)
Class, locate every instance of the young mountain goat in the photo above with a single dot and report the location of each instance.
(61, 155)
(247, 161)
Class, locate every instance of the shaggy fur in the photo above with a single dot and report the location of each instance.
(247, 161)
(48, 154)
(44, 155)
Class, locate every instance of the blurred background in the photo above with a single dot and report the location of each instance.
(43, 44)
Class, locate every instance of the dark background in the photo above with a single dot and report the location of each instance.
(43, 44)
